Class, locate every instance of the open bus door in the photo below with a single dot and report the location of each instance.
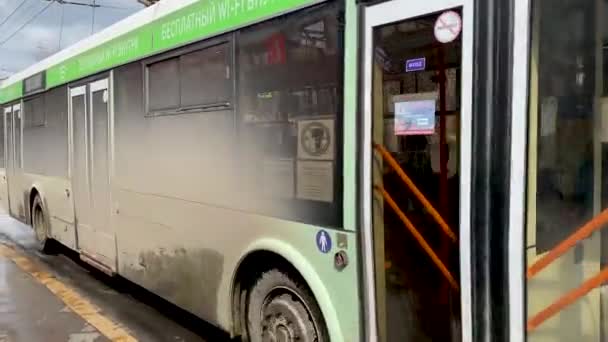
(417, 129)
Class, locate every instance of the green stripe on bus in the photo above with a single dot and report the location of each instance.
(210, 17)
(197, 21)
(11, 92)
(127, 48)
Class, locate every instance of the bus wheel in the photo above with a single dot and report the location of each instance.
(281, 309)
(40, 225)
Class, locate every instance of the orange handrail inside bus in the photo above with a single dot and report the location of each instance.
(410, 184)
(567, 299)
(582, 233)
(419, 238)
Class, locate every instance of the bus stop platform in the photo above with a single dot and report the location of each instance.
(58, 298)
(30, 312)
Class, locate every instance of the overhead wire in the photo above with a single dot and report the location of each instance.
(50, 2)
(93, 18)
(13, 12)
(94, 5)
(27, 22)
(26, 11)
(61, 26)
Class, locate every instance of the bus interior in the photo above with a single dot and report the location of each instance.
(416, 138)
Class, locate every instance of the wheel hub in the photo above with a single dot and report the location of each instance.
(286, 320)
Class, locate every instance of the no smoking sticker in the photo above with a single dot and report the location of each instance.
(448, 27)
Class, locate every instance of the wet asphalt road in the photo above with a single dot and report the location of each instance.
(30, 312)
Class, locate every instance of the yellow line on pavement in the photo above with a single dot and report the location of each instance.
(82, 307)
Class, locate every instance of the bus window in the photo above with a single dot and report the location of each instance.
(289, 115)
(193, 80)
(34, 112)
(205, 77)
(567, 172)
(163, 85)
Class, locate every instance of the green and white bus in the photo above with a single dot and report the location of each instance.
(341, 170)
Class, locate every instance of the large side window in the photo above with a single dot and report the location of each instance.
(34, 111)
(199, 79)
(45, 133)
(290, 113)
(567, 172)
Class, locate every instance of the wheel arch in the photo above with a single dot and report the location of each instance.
(282, 251)
(35, 190)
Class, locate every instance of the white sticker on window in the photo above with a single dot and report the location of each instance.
(105, 96)
(315, 181)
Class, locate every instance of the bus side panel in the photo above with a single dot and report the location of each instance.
(3, 188)
(45, 160)
(184, 217)
(188, 253)
(168, 157)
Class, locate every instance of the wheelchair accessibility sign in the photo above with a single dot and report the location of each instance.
(323, 240)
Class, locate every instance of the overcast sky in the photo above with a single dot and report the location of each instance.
(41, 37)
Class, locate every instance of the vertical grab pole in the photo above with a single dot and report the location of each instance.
(444, 248)
(443, 150)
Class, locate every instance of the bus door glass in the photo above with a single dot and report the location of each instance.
(417, 106)
(3, 162)
(8, 146)
(90, 172)
(14, 166)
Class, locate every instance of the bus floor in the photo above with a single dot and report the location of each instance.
(56, 298)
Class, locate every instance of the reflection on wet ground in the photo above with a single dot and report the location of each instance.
(34, 309)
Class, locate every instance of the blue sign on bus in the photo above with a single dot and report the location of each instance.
(323, 241)
(417, 64)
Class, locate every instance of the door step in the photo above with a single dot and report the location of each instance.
(84, 256)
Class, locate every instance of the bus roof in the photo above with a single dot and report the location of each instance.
(163, 26)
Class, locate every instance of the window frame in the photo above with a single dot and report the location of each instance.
(518, 182)
(30, 124)
(229, 105)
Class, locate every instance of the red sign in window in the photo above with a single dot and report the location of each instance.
(277, 53)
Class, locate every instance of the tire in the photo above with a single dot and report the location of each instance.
(40, 225)
(282, 309)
